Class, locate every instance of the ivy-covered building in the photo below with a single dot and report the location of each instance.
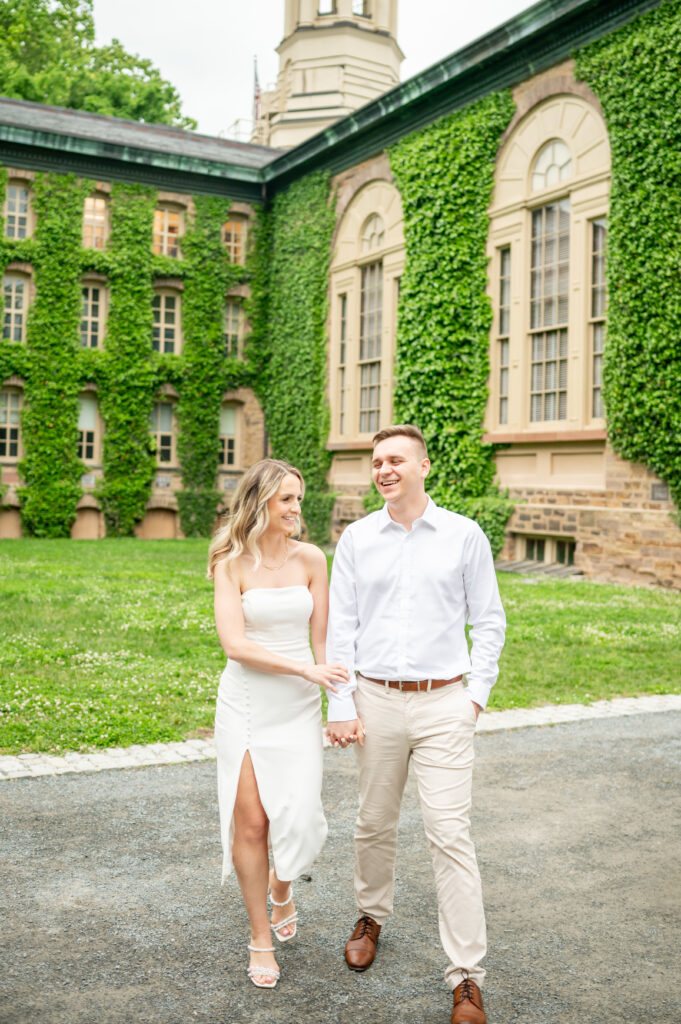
(488, 249)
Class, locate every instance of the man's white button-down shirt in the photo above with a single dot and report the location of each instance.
(400, 600)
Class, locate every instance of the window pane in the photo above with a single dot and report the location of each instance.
(227, 419)
(552, 165)
(87, 412)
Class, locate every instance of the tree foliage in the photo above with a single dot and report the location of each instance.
(48, 55)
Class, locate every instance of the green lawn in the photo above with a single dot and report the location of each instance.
(106, 643)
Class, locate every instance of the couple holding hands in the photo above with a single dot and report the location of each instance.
(388, 644)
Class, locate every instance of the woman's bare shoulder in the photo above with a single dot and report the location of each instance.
(232, 570)
(311, 554)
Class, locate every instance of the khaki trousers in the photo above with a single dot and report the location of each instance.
(435, 730)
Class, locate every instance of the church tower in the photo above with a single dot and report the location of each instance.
(335, 56)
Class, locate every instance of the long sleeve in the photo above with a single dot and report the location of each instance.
(485, 615)
(342, 628)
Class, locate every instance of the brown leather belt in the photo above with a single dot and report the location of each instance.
(409, 685)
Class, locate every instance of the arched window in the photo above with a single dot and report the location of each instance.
(95, 222)
(234, 238)
(17, 210)
(167, 328)
(93, 313)
(88, 434)
(234, 329)
(162, 426)
(10, 424)
(15, 288)
(168, 227)
(547, 242)
(372, 233)
(552, 165)
(229, 436)
(365, 273)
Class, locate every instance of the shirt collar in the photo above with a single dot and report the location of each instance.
(428, 518)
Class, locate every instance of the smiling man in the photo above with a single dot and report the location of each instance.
(406, 580)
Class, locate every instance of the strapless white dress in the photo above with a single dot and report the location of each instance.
(278, 720)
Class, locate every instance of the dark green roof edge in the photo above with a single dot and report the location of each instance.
(533, 41)
(36, 150)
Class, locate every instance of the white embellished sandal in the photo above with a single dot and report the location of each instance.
(291, 919)
(255, 971)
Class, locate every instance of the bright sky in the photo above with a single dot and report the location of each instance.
(206, 47)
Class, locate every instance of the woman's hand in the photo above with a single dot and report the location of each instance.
(326, 675)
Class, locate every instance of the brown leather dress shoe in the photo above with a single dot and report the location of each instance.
(360, 949)
(468, 1004)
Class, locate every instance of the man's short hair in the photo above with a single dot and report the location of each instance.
(402, 430)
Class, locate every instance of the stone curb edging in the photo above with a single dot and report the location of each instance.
(138, 756)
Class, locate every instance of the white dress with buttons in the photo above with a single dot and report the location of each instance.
(277, 719)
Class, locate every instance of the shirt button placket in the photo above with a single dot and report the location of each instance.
(403, 590)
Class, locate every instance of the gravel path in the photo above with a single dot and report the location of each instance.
(112, 911)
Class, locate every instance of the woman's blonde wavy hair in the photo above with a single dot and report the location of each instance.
(249, 516)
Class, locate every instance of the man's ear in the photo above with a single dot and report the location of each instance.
(425, 468)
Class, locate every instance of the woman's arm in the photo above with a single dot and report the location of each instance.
(229, 620)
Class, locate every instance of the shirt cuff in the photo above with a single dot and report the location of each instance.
(479, 692)
(341, 705)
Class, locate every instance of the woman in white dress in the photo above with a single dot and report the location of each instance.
(271, 602)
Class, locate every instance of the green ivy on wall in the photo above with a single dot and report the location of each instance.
(635, 74)
(288, 346)
(445, 175)
(127, 380)
(207, 374)
(125, 372)
(47, 362)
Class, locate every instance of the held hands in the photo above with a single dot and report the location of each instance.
(341, 734)
(327, 676)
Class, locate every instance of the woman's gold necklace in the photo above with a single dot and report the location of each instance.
(275, 568)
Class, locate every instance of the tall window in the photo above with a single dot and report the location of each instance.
(15, 288)
(167, 227)
(370, 331)
(227, 437)
(549, 311)
(233, 329)
(342, 362)
(234, 238)
(326, 7)
(92, 316)
(87, 427)
(17, 210)
(597, 314)
(360, 7)
(161, 424)
(10, 405)
(95, 226)
(166, 329)
(503, 338)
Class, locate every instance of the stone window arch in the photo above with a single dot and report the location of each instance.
(366, 267)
